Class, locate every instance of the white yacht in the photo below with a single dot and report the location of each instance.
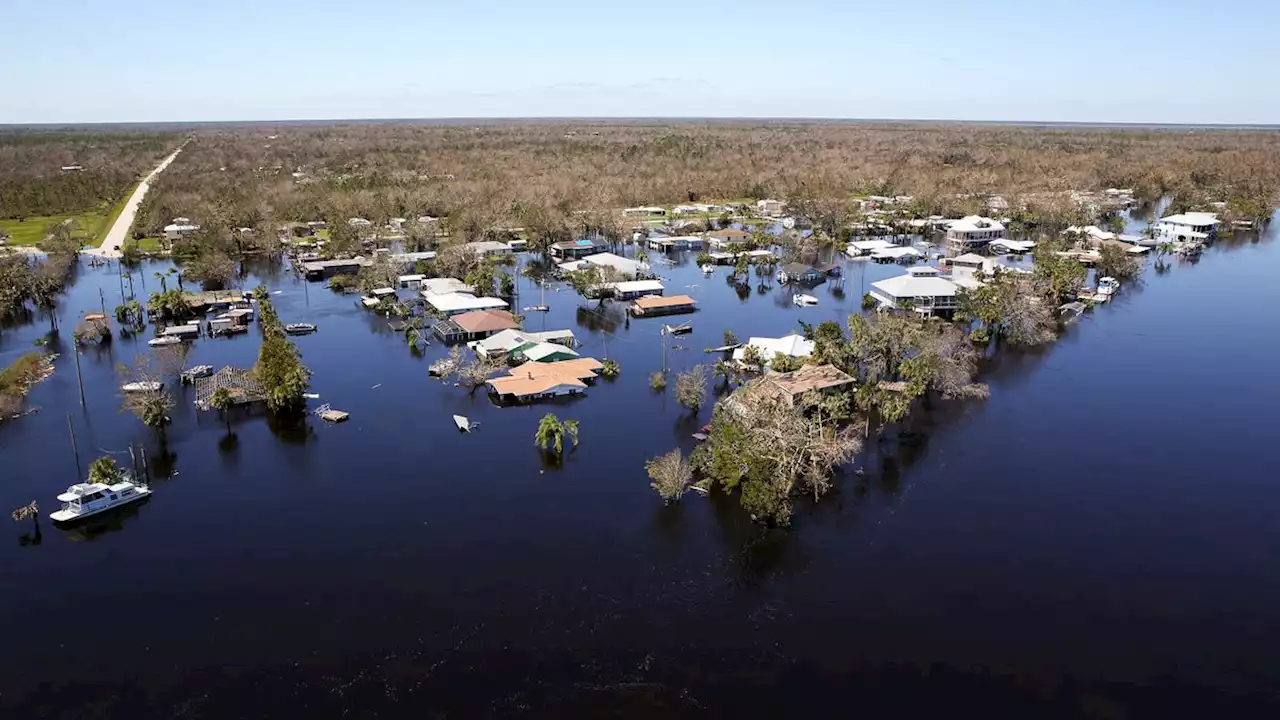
(804, 300)
(164, 340)
(85, 499)
(143, 386)
(1107, 286)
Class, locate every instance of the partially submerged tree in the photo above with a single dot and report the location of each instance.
(150, 401)
(691, 387)
(671, 475)
(222, 402)
(475, 371)
(772, 450)
(105, 470)
(552, 432)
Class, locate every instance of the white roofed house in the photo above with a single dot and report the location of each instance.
(644, 211)
(921, 289)
(792, 346)
(180, 228)
(632, 289)
(1187, 226)
(626, 267)
(489, 248)
(974, 230)
(444, 286)
(456, 303)
(770, 207)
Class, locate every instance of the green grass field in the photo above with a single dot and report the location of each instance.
(91, 227)
(146, 244)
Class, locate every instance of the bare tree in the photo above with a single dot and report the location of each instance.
(671, 475)
(691, 387)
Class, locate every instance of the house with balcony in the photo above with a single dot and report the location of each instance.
(920, 289)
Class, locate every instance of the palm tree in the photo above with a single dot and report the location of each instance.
(105, 470)
(552, 431)
(222, 402)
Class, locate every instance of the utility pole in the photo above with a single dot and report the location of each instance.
(74, 450)
(663, 334)
(75, 352)
(102, 299)
(120, 277)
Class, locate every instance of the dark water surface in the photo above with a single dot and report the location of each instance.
(1101, 533)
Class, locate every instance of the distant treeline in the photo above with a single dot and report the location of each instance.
(496, 173)
(62, 173)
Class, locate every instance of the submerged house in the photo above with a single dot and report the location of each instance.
(488, 248)
(575, 249)
(474, 325)
(790, 387)
(540, 381)
(633, 289)
(443, 286)
(974, 230)
(652, 306)
(801, 274)
(1188, 226)
(508, 341)
(542, 352)
(240, 384)
(457, 303)
(726, 239)
(921, 289)
(792, 346)
(678, 242)
(625, 267)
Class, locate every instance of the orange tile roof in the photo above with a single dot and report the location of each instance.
(479, 321)
(651, 302)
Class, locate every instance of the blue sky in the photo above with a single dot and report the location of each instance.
(1053, 60)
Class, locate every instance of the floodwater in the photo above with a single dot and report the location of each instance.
(1100, 535)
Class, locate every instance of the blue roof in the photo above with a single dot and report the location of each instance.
(584, 243)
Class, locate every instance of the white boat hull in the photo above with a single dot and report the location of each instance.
(67, 515)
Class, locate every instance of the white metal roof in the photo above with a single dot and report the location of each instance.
(969, 259)
(896, 252)
(624, 266)
(909, 286)
(634, 286)
(791, 345)
(975, 223)
(444, 286)
(457, 302)
(872, 244)
(544, 349)
(1192, 218)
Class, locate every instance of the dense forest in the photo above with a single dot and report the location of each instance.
(512, 173)
(63, 173)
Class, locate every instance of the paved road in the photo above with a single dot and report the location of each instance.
(120, 230)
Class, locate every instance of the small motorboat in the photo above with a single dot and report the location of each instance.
(190, 374)
(1107, 286)
(143, 386)
(85, 499)
(681, 329)
(299, 328)
(163, 341)
(708, 269)
(537, 308)
(803, 300)
(464, 424)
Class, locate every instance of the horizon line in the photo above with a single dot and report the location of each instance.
(649, 119)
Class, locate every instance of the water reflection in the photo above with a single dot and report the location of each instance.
(108, 522)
